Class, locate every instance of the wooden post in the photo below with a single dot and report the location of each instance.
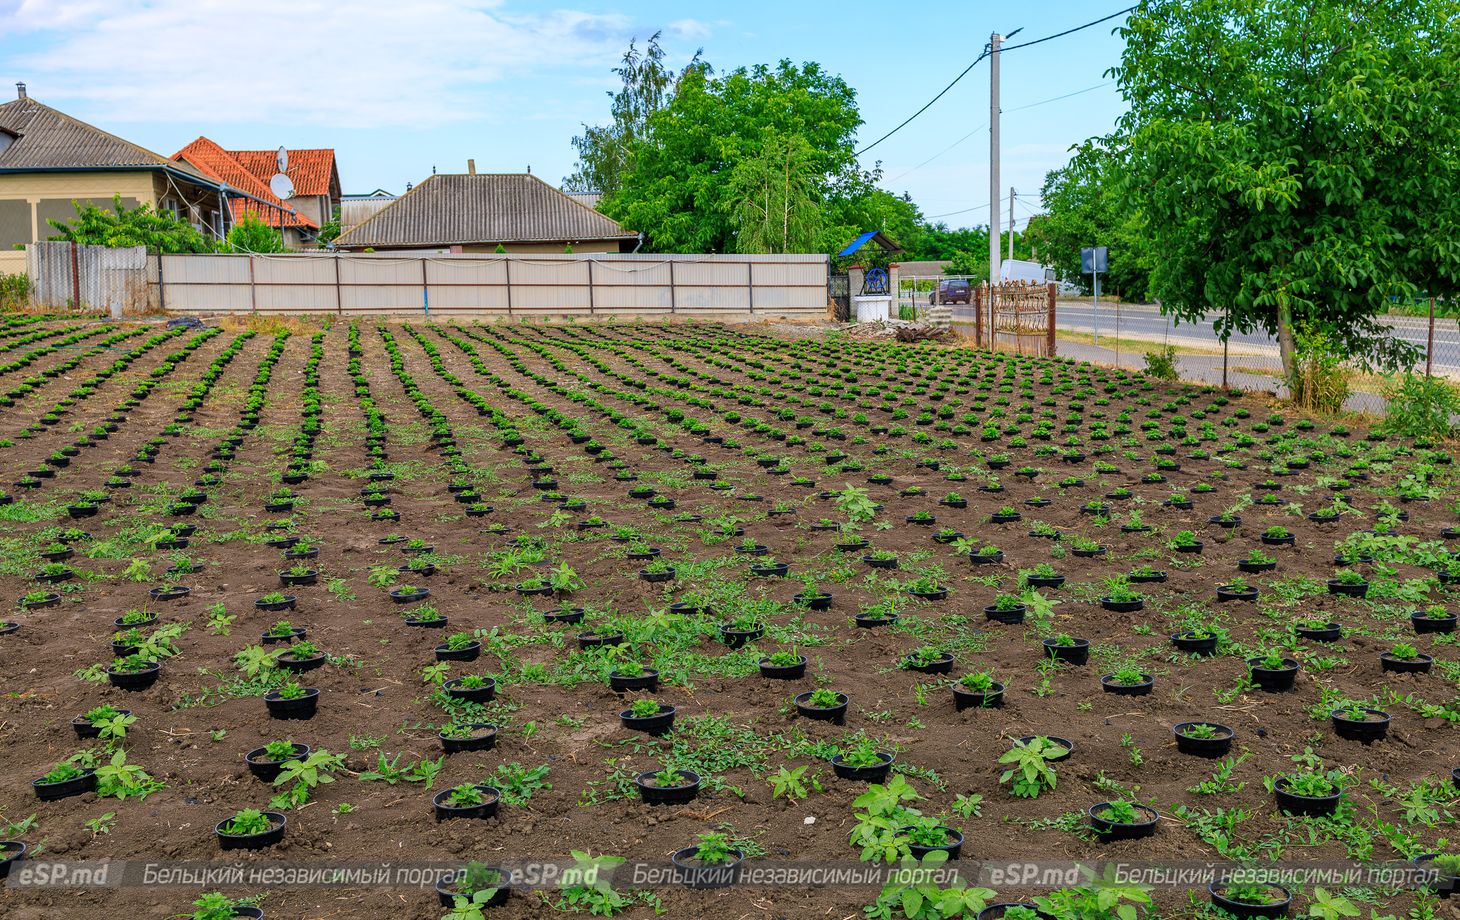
(161, 285)
(339, 301)
(977, 314)
(75, 279)
(507, 275)
(1049, 346)
(1430, 342)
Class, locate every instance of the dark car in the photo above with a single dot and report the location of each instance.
(953, 290)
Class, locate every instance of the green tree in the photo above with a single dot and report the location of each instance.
(253, 235)
(675, 187)
(1085, 207)
(120, 227)
(329, 231)
(773, 197)
(604, 151)
(1294, 161)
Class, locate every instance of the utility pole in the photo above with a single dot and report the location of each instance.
(1012, 193)
(994, 41)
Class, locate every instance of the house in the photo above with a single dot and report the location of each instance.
(313, 171)
(356, 209)
(49, 161)
(477, 212)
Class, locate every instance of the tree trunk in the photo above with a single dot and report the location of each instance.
(1287, 349)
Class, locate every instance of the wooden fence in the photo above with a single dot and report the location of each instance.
(515, 286)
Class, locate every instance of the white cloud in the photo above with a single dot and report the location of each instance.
(353, 64)
(689, 28)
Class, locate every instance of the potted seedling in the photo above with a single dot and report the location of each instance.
(977, 690)
(711, 863)
(632, 676)
(928, 659)
(1359, 723)
(1121, 819)
(1403, 658)
(473, 688)
(1236, 590)
(1257, 561)
(649, 716)
(299, 575)
(1433, 619)
(425, 616)
(250, 829)
(1348, 583)
(657, 570)
(1278, 536)
(301, 656)
(987, 554)
(1318, 630)
(823, 705)
(291, 701)
(467, 736)
(1185, 541)
(1006, 515)
(1008, 609)
(1128, 681)
(1203, 739)
(1068, 649)
(926, 587)
(1307, 791)
(1085, 548)
(861, 762)
(812, 598)
(267, 762)
(1145, 573)
(468, 800)
(667, 786)
(133, 672)
(947, 535)
(883, 614)
(282, 631)
(881, 559)
(409, 594)
(1043, 575)
(64, 780)
(1119, 598)
(783, 665)
(1243, 899)
(459, 646)
(1273, 672)
(39, 600)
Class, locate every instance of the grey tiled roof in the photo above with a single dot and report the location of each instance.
(48, 139)
(482, 208)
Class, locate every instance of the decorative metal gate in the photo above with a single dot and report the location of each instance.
(839, 290)
(1017, 318)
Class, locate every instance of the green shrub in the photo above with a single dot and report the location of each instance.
(1420, 406)
(1161, 364)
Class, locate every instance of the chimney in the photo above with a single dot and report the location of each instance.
(20, 90)
(471, 167)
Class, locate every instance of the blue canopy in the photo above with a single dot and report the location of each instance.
(886, 244)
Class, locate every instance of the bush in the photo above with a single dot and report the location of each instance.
(14, 290)
(1161, 364)
(1320, 380)
(1420, 406)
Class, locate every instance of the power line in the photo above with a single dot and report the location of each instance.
(986, 52)
(1078, 92)
(940, 152)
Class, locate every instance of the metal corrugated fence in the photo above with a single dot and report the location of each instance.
(496, 285)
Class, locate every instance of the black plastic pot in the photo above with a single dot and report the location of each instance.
(1345, 590)
(1274, 680)
(51, 600)
(467, 653)
(880, 563)
(652, 794)
(169, 594)
(268, 838)
(837, 714)
(783, 672)
(1195, 548)
(1122, 606)
(300, 665)
(85, 730)
(986, 558)
(647, 682)
(270, 638)
(1445, 885)
(1367, 731)
(296, 581)
(1295, 804)
(488, 807)
(1328, 632)
(564, 615)
(657, 724)
(657, 577)
(1077, 654)
(1148, 578)
(268, 770)
(943, 664)
(876, 773)
(1420, 664)
(964, 698)
(1227, 593)
(1204, 747)
(691, 874)
(865, 621)
(1107, 829)
(997, 911)
(1108, 684)
(79, 785)
(593, 639)
(483, 694)
(1036, 581)
(302, 708)
(1008, 617)
(819, 601)
(953, 847)
(11, 852)
(482, 738)
(409, 597)
(1279, 907)
(135, 680)
(1427, 624)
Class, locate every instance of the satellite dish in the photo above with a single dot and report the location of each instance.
(282, 187)
(283, 160)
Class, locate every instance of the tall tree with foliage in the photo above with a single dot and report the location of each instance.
(677, 187)
(1085, 206)
(604, 150)
(774, 197)
(120, 227)
(252, 235)
(1294, 162)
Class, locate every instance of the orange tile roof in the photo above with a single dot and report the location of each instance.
(312, 171)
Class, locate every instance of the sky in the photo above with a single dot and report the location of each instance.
(401, 88)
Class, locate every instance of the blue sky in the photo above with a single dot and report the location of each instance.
(398, 88)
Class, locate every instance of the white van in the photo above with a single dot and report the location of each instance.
(1025, 272)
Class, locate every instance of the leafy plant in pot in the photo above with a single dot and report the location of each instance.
(459, 646)
(1308, 790)
(468, 800)
(266, 762)
(1359, 723)
(1121, 819)
(1119, 598)
(250, 829)
(667, 786)
(1403, 658)
(1203, 739)
(783, 665)
(928, 659)
(711, 863)
(1007, 608)
(823, 705)
(471, 890)
(1250, 900)
(1068, 649)
(1128, 681)
(1433, 619)
(649, 716)
(977, 690)
(1273, 672)
(862, 762)
(64, 780)
(291, 701)
(467, 736)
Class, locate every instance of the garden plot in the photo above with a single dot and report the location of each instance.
(480, 594)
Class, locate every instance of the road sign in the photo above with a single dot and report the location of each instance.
(1094, 259)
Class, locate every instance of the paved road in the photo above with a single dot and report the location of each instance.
(1148, 323)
